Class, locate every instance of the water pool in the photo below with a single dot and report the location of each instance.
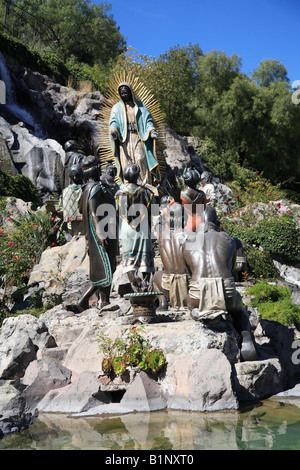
(272, 424)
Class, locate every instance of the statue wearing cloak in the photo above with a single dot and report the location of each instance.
(132, 138)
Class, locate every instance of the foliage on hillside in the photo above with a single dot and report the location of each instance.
(267, 230)
(274, 303)
(50, 64)
(76, 29)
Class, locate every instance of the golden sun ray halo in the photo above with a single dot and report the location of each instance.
(112, 97)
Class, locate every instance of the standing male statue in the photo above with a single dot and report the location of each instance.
(97, 206)
(133, 137)
(71, 196)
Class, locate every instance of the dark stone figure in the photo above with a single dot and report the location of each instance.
(73, 156)
(193, 200)
(97, 206)
(208, 188)
(173, 280)
(240, 262)
(211, 256)
(71, 197)
(107, 177)
(135, 229)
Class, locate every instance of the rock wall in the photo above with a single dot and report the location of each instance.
(52, 363)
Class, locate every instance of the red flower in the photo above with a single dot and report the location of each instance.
(279, 205)
(52, 218)
(53, 244)
(11, 243)
(54, 228)
(238, 197)
(8, 218)
(269, 194)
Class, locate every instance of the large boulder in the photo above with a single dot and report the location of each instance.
(41, 376)
(201, 383)
(62, 272)
(14, 412)
(20, 339)
(79, 396)
(257, 379)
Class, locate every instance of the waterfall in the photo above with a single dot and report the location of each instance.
(11, 104)
(5, 77)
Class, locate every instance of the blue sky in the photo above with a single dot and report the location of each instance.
(253, 29)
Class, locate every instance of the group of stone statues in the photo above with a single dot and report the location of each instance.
(199, 261)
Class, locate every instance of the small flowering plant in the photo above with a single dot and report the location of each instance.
(135, 352)
(22, 242)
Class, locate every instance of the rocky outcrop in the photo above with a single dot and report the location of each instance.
(61, 368)
(32, 156)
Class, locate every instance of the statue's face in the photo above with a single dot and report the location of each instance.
(125, 93)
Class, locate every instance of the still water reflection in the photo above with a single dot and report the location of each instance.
(271, 424)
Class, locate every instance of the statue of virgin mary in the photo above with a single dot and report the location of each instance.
(133, 137)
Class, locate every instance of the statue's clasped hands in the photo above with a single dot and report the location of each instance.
(114, 134)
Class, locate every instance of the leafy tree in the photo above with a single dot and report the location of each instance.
(73, 28)
(256, 124)
(215, 70)
(269, 71)
(173, 80)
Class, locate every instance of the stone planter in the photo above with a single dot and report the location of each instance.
(143, 306)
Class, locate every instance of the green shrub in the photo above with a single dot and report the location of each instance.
(249, 187)
(260, 263)
(276, 234)
(21, 246)
(18, 186)
(35, 312)
(274, 303)
(279, 236)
